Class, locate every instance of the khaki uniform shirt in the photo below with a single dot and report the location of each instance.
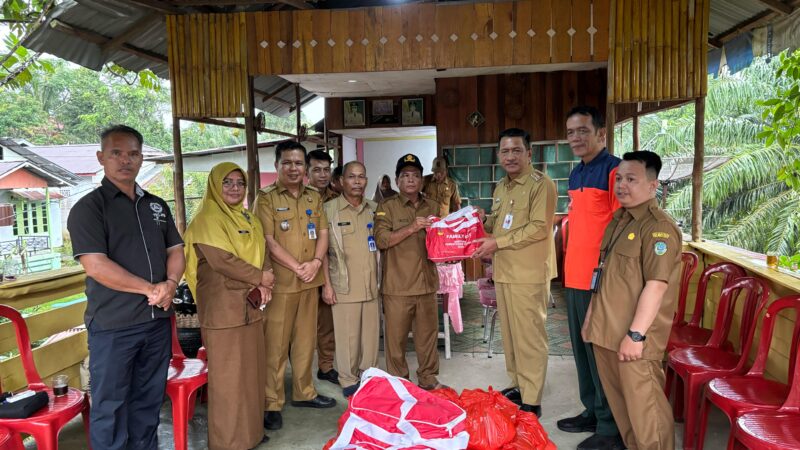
(522, 223)
(353, 268)
(328, 194)
(274, 206)
(445, 194)
(647, 247)
(406, 268)
(223, 282)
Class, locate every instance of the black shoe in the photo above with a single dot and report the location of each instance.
(513, 394)
(273, 420)
(331, 375)
(350, 390)
(536, 409)
(597, 442)
(578, 424)
(320, 401)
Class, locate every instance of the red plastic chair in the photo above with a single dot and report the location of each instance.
(696, 366)
(689, 261)
(693, 334)
(737, 395)
(45, 424)
(186, 376)
(9, 442)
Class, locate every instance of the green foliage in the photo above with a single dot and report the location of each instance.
(17, 64)
(782, 117)
(744, 202)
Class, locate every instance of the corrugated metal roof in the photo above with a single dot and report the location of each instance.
(110, 18)
(726, 14)
(81, 159)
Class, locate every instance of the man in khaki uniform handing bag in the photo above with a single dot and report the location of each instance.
(521, 223)
(635, 294)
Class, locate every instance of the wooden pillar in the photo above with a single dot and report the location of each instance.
(177, 176)
(635, 134)
(611, 119)
(297, 108)
(251, 141)
(697, 169)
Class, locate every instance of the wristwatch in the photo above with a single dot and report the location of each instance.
(636, 336)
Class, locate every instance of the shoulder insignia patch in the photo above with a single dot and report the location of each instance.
(660, 235)
(660, 248)
(269, 188)
(536, 175)
(380, 213)
(312, 188)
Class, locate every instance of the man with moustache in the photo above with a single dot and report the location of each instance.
(296, 231)
(521, 223)
(351, 278)
(126, 240)
(630, 315)
(410, 279)
(592, 203)
(319, 176)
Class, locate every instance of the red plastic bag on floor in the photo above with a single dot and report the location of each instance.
(448, 394)
(489, 419)
(451, 238)
(530, 434)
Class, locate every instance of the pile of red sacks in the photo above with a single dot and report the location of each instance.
(495, 423)
(390, 412)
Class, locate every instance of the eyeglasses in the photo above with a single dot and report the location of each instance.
(230, 183)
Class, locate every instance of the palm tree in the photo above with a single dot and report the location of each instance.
(744, 204)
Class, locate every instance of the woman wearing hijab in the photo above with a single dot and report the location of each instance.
(225, 260)
(384, 190)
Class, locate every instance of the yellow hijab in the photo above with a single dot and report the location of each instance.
(227, 227)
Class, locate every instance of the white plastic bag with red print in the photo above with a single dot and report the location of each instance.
(452, 238)
(392, 413)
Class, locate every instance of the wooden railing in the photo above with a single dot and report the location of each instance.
(62, 356)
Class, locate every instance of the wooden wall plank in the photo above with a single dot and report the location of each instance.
(601, 19)
(489, 97)
(372, 34)
(48, 359)
(427, 26)
(467, 49)
(503, 44)
(581, 21)
(683, 48)
(358, 30)
(482, 27)
(658, 66)
(540, 22)
(392, 30)
(340, 25)
(561, 23)
(522, 23)
(410, 30)
(446, 28)
(43, 325)
(321, 33)
(652, 38)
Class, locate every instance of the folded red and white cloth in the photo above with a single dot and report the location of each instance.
(392, 413)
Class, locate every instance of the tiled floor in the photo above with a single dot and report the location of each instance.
(471, 340)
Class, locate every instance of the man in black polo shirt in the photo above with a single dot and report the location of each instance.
(127, 242)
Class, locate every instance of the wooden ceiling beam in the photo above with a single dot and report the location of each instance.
(100, 40)
(163, 7)
(778, 6)
(138, 27)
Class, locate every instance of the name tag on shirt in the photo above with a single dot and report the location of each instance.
(507, 221)
(244, 232)
(343, 224)
(281, 209)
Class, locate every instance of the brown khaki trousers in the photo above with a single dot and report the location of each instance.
(357, 333)
(290, 324)
(235, 386)
(522, 310)
(635, 392)
(400, 313)
(326, 341)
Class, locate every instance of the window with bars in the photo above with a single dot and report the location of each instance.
(30, 218)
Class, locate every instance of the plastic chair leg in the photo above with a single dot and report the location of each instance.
(702, 423)
(670, 374)
(677, 406)
(491, 331)
(446, 320)
(46, 439)
(690, 414)
(85, 414)
(181, 413)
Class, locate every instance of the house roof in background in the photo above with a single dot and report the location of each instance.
(7, 167)
(36, 194)
(52, 179)
(81, 159)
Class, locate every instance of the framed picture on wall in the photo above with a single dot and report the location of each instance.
(354, 113)
(413, 111)
(383, 112)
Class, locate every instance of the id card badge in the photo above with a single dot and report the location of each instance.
(597, 274)
(371, 239)
(507, 221)
(312, 229)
